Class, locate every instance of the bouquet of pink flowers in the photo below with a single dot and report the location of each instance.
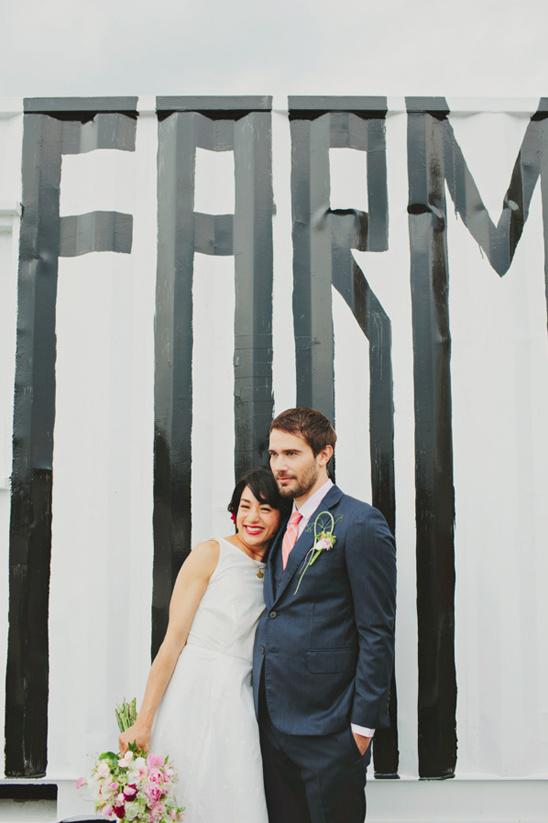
(134, 788)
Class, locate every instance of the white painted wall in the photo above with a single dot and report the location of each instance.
(102, 494)
(11, 132)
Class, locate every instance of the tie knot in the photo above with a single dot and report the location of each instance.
(295, 518)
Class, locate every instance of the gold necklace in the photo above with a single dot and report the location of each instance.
(259, 566)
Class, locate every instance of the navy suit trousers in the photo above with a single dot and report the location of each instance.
(312, 778)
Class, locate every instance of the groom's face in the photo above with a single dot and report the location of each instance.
(297, 470)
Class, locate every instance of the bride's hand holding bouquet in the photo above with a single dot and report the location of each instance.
(132, 785)
(134, 732)
(138, 736)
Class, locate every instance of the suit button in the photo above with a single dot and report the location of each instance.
(273, 614)
(262, 650)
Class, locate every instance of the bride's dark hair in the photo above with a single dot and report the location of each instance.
(264, 487)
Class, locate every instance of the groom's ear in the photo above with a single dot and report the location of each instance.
(325, 455)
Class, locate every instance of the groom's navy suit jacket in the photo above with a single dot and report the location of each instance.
(326, 653)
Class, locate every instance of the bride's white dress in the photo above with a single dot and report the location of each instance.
(206, 721)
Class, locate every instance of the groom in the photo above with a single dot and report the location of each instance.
(325, 643)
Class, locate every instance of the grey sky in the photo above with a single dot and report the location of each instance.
(395, 47)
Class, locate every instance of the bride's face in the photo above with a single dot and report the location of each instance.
(257, 522)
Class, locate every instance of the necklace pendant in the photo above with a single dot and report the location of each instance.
(260, 574)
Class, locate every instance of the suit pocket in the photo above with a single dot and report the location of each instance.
(354, 745)
(331, 660)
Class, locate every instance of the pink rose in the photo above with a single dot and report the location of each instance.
(157, 812)
(154, 761)
(156, 776)
(81, 782)
(154, 793)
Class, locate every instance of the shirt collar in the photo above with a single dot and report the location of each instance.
(311, 503)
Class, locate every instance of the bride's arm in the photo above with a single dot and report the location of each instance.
(189, 589)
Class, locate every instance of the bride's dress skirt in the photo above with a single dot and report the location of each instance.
(206, 722)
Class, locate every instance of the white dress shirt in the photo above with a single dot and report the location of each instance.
(306, 511)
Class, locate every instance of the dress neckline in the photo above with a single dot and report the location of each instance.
(257, 563)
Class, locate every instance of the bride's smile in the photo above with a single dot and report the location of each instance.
(256, 522)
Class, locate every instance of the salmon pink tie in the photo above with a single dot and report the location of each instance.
(290, 536)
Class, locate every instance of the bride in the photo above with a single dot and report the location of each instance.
(198, 704)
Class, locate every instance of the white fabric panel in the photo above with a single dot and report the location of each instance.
(213, 396)
(100, 180)
(9, 236)
(351, 402)
(11, 132)
(213, 298)
(500, 408)
(283, 365)
(103, 453)
(348, 179)
(102, 492)
(214, 186)
(8, 314)
(11, 136)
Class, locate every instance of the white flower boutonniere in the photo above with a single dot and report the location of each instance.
(324, 540)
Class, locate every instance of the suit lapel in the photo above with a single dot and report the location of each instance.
(303, 544)
(274, 563)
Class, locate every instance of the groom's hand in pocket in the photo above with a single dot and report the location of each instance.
(362, 742)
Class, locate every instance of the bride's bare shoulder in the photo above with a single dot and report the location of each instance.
(206, 552)
(211, 545)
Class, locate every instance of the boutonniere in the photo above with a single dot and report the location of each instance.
(324, 540)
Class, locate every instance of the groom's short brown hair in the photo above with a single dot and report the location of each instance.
(310, 424)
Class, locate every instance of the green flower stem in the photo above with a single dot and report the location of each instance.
(324, 532)
(313, 554)
(126, 714)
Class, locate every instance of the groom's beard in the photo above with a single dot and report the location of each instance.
(300, 484)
